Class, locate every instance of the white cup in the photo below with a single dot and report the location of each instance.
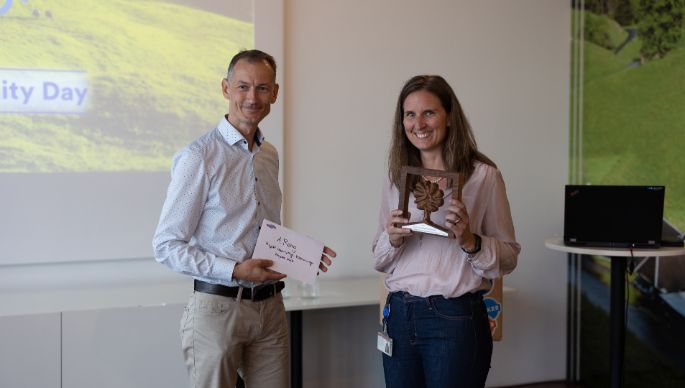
(309, 291)
(286, 292)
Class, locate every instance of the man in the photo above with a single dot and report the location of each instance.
(222, 186)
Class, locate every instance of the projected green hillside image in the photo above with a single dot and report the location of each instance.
(110, 85)
(634, 115)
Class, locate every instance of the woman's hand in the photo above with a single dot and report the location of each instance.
(457, 220)
(395, 230)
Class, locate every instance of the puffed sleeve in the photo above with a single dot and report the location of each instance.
(499, 249)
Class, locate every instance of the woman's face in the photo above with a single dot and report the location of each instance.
(425, 121)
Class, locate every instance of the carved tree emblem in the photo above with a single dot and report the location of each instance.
(429, 198)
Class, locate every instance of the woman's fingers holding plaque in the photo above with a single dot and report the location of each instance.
(457, 218)
(396, 232)
(397, 220)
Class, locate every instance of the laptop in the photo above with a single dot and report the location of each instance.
(614, 216)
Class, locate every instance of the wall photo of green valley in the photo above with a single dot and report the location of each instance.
(629, 61)
(633, 110)
(153, 70)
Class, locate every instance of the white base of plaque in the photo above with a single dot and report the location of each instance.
(425, 228)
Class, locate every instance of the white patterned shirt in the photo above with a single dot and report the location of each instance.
(218, 196)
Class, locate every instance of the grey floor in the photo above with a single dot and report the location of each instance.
(551, 384)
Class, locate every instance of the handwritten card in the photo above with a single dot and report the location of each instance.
(293, 254)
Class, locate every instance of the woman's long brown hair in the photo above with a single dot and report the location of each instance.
(459, 149)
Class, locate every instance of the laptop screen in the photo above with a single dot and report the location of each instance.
(613, 216)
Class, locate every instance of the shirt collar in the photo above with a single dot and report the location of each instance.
(233, 136)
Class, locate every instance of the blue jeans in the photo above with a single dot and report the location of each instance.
(437, 342)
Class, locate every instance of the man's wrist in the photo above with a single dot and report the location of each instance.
(235, 276)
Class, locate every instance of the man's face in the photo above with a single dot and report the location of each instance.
(251, 90)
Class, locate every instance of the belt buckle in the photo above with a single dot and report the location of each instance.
(269, 290)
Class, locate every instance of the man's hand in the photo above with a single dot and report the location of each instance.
(256, 270)
(326, 259)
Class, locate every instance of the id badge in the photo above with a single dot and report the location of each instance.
(384, 343)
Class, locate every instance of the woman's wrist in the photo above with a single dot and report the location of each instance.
(396, 244)
(473, 246)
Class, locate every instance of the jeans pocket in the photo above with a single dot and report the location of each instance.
(451, 309)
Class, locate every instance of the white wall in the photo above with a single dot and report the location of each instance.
(345, 62)
(508, 62)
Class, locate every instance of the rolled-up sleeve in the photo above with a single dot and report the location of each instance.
(181, 213)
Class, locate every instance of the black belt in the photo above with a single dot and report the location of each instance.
(255, 294)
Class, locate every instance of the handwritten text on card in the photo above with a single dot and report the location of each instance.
(293, 254)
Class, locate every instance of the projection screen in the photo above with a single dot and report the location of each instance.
(95, 99)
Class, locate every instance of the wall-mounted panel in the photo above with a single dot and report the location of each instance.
(30, 351)
(127, 347)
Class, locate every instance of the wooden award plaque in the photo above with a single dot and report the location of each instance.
(431, 200)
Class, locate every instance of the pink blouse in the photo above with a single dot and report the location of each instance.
(432, 265)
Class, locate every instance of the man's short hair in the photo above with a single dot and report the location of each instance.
(252, 56)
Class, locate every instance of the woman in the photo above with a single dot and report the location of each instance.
(435, 313)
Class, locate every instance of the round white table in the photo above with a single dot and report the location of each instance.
(617, 303)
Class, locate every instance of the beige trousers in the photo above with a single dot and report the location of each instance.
(221, 336)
